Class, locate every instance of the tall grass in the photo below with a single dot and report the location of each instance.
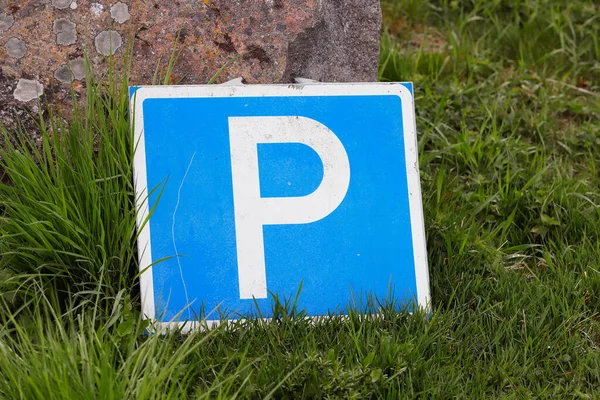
(82, 355)
(67, 215)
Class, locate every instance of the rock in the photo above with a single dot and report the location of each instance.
(342, 45)
(43, 42)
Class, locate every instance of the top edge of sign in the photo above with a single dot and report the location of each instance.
(318, 88)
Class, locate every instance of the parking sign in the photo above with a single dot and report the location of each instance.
(263, 188)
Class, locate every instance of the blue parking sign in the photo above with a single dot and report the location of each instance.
(256, 190)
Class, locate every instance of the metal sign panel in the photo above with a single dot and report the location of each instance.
(263, 188)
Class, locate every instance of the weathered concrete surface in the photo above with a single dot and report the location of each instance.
(43, 42)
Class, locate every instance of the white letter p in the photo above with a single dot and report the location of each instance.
(252, 211)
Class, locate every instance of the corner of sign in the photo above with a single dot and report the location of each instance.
(132, 90)
(409, 86)
(404, 90)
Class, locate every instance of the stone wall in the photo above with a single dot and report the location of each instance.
(43, 42)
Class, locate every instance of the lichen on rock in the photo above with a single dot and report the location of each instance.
(120, 12)
(96, 9)
(74, 70)
(108, 42)
(61, 4)
(28, 89)
(66, 31)
(15, 47)
(6, 21)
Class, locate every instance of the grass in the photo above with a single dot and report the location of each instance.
(508, 114)
(67, 218)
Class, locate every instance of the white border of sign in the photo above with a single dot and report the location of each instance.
(316, 89)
